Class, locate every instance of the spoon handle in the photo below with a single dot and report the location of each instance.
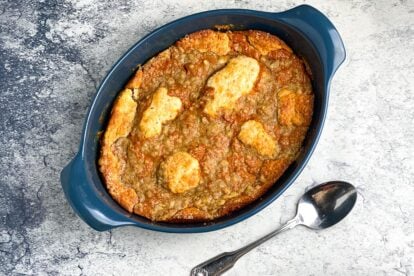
(224, 261)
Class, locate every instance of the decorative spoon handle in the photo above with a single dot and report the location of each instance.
(224, 261)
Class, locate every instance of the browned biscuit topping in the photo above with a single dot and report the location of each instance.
(206, 126)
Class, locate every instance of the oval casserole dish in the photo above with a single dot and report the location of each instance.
(306, 30)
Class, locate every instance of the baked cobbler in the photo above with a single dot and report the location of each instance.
(206, 126)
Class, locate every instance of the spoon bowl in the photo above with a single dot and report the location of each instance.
(326, 204)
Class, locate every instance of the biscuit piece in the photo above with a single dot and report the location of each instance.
(119, 126)
(122, 115)
(253, 134)
(294, 109)
(163, 108)
(181, 172)
(206, 41)
(236, 79)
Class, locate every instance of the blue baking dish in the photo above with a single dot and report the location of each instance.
(306, 30)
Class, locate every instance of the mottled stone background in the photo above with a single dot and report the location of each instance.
(53, 55)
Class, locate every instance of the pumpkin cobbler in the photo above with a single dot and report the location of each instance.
(206, 126)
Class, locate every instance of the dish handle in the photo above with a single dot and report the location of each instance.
(85, 199)
(320, 31)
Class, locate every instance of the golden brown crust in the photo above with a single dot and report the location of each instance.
(189, 214)
(266, 43)
(135, 81)
(294, 109)
(227, 166)
(206, 40)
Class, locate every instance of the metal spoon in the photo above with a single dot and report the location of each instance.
(319, 208)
